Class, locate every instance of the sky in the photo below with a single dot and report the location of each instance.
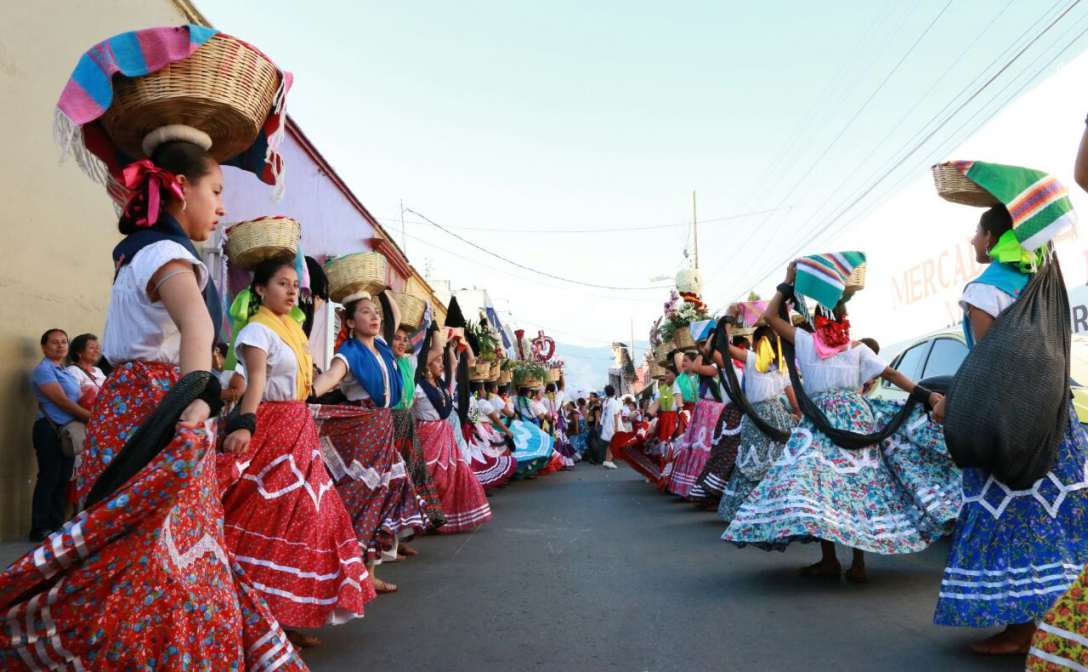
(569, 137)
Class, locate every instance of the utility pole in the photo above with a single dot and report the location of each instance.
(404, 237)
(695, 229)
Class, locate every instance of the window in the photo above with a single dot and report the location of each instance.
(945, 358)
(911, 362)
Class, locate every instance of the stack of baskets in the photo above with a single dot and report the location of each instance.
(506, 377)
(226, 89)
(554, 374)
(250, 243)
(661, 352)
(682, 338)
(481, 371)
(353, 273)
(656, 370)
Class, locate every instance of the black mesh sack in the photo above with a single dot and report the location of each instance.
(1008, 406)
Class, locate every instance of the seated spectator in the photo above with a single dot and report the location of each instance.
(58, 393)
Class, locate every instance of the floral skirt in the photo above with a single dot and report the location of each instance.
(406, 441)
(462, 496)
(142, 575)
(694, 447)
(370, 475)
(286, 525)
(899, 497)
(1016, 551)
(1061, 642)
(490, 457)
(756, 452)
(532, 448)
(710, 485)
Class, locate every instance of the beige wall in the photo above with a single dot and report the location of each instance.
(57, 227)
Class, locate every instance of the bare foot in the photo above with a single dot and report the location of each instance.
(301, 640)
(407, 551)
(856, 574)
(822, 569)
(1014, 640)
(383, 587)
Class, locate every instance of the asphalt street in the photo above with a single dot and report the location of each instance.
(593, 570)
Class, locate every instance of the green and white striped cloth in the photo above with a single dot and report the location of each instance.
(1038, 202)
(823, 277)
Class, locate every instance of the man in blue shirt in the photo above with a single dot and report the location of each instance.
(57, 392)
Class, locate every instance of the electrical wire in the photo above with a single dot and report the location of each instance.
(523, 266)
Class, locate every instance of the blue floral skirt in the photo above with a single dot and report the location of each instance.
(1016, 551)
(756, 453)
(898, 497)
(532, 448)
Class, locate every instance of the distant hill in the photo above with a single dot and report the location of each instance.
(587, 367)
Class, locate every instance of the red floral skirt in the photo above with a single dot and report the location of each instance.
(694, 447)
(142, 575)
(370, 475)
(463, 499)
(286, 525)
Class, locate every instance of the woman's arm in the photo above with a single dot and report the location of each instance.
(737, 353)
(325, 382)
(980, 322)
(704, 369)
(497, 419)
(55, 393)
(176, 286)
(255, 359)
(907, 385)
(781, 327)
(795, 408)
(236, 388)
(1080, 168)
(393, 308)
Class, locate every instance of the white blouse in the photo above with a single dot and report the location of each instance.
(281, 365)
(95, 379)
(762, 386)
(422, 408)
(987, 298)
(847, 370)
(354, 390)
(138, 329)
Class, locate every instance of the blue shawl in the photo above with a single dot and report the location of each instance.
(167, 228)
(439, 396)
(1006, 277)
(364, 366)
(525, 413)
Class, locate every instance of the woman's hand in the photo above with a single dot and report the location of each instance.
(237, 441)
(938, 407)
(195, 414)
(791, 272)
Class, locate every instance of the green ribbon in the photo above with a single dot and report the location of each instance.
(1009, 251)
(241, 309)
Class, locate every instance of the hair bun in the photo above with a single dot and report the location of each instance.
(172, 132)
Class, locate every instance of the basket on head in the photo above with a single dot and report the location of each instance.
(506, 377)
(656, 370)
(682, 338)
(411, 310)
(553, 375)
(495, 374)
(225, 88)
(661, 352)
(856, 281)
(481, 370)
(250, 243)
(532, 383)
(359, 272)
(952, 185)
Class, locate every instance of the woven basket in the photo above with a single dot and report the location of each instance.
(495, 374)
(250, 243)
(661, 352)
(506, 377)
(856, 281)
(954, 186)
(532, 382)
(481, 370)
(682, 338)
(225, 89)
(360, 272)
(553, 375)
(411, 310)
(656, 370)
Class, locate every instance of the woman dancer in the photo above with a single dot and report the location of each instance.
(404, 433)
(765, 381)
(820, 491)
(1013, 554)
(291, 534)
(693, 449)
(490, 456)
(160, 502)
(463, 499)
(369, 471)
(532, 445)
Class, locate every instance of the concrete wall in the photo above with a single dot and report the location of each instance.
(57, 227)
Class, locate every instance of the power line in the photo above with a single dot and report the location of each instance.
(523, 266)
(626, 229)
(918, 146)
